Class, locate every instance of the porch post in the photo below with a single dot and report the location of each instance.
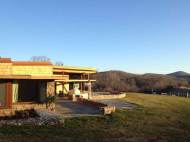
(89, 88)
(9, 99)
(81, 84)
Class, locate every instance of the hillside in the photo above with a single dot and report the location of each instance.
(181, 75)
(116, 81)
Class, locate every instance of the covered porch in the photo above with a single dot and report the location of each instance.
(74, 88)
(78, 83)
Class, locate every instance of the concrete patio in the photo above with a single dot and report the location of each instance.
(68, 108)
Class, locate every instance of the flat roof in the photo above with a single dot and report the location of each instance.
(74, 69)
(58, 69)
(5, 60)
(76, 80)
(30, 63)
(53, 77)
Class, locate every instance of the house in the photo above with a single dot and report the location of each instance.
(26, 84)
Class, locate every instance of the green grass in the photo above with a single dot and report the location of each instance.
(156, 119)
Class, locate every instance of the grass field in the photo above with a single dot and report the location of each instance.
(156, 119)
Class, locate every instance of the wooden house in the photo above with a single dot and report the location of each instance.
(26, 84)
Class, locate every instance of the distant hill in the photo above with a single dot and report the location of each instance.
(117, 81)
(179, 74)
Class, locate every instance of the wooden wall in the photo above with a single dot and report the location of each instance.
(6, 94)
(9, 69)
(5, 68)
(32, 70)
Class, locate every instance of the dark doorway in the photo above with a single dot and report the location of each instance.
(28, 91)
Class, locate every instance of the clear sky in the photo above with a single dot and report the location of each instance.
(132, 35)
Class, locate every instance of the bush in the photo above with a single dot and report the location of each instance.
(25, 114)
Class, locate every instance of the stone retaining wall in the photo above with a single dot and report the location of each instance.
(108, 96)
(21, 106)
(104, 108)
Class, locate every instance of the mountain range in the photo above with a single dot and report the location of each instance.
(117, 81)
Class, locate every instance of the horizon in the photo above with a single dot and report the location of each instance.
(146, 72)
(139, 36)
(103, 70)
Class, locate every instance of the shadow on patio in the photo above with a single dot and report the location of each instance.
(68, 108)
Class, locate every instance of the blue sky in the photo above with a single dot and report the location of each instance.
(132, 35)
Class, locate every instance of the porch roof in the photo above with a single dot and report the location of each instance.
(73, 69)
(74, 80)
(53, 77)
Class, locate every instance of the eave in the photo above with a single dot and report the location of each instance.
(62, 77)
(71, 69)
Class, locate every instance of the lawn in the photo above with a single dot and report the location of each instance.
(155, 119)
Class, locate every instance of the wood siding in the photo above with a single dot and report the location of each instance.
(6, 94)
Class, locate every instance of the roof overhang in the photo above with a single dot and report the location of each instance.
(74, 80)
(34, 77)
(30, 63)
(70, 69)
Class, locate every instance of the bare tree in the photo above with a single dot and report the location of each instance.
(40, 59)
(59, 63)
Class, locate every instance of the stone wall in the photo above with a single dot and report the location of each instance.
(104, 108)
(107, 97)
(51, 88)
(21, 106)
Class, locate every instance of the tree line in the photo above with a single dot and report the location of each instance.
(118, 81)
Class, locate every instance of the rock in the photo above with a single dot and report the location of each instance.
(45, 118)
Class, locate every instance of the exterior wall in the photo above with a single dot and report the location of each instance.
(5, 68)
(20, 106)
(32, 70)
(2, 94)
(9, 69)
(9, 94)
(51, 88)
(6, 90)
